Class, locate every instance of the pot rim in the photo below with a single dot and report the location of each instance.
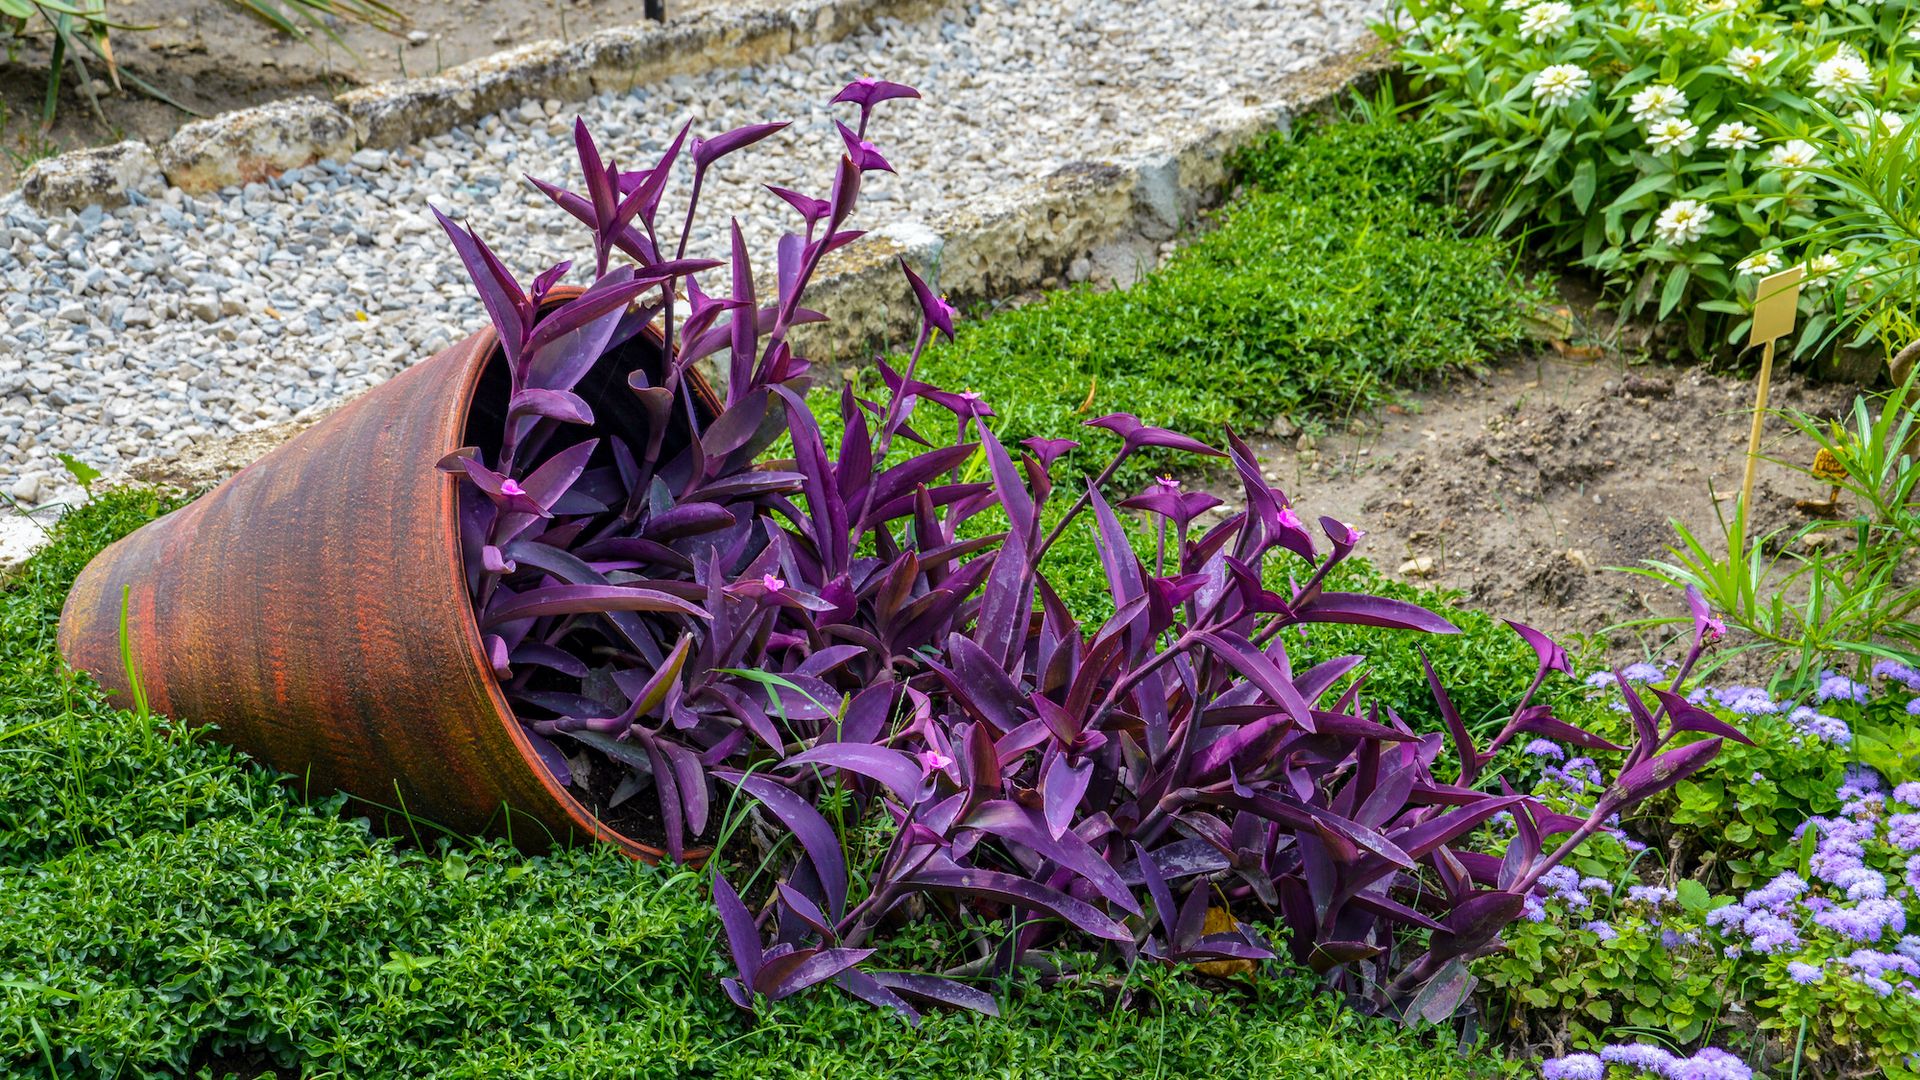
(486, 345)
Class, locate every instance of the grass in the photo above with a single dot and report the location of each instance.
(170, 904)
(1342, 275)
(175, 910)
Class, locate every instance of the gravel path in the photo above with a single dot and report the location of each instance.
(135, 332)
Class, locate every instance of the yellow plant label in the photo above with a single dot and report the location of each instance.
(1775, 303)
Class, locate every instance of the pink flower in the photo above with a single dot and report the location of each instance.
(511, 487)
(772, 583)
(1290, 519)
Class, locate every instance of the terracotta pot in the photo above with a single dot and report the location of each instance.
(314, 606)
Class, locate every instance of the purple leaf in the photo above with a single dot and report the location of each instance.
(816, 837)
(1552, 656)
(894, 768)
(707, 151)
(1022, 893)
(743, 940)
(788, 975)
(581, 599)
(1364, 610)
(1689, 717)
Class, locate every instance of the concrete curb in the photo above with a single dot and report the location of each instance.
(250, 144)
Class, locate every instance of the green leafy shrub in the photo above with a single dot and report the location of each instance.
(1740, 814)
(1628, 135)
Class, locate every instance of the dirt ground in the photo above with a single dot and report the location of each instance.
(1520, 488)
(211, 58)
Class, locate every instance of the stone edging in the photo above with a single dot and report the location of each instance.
(1088, 220)
(255, 143)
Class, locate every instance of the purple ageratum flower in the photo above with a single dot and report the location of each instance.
(1642, 672)
(1803, 973)
(1913, 707)
(1595, 884)
(1602, 930)
(1652, 895)
(1882, 964)
(1651, 1059)
(1836, 687)
(1868, 921)
(1673, 939)
(1894, 671)
(1860, 780)
(1778, 893)
(1532, 910)
(1828, 728)
(1711, 1063)
(1903, 831)
(1600, 680)
(1573, 1067)
(1913, 872)
(1545, 748)
(1769, 933)
(1747, 701)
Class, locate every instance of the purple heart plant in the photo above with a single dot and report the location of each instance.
(861, 641)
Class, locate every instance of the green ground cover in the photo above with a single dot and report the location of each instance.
(171, 906)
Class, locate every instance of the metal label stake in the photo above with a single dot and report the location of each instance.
(1775, 306)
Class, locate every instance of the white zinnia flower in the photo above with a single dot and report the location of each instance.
(1515, 5)
(1758, 264)
(1682, 222)
(1559, 84)
(1749, 63)
(1913, 32)
(1821, 268)
(1734, 135)
(1871, 122)
(1546, 21)
(1656, 103)
(1673, 133)
(1713, 6)
(1794, 154)
(1656, 25)
(1841, 75)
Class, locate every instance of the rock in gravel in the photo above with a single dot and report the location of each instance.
(1417, 567)
(100, 177)
(27, 489)
(256, 144)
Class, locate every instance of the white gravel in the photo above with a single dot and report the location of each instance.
(134, 332)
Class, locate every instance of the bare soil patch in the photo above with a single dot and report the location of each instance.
(1520, 488)
(211, 58)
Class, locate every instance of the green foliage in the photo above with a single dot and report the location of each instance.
(1343, 274)
(1672, 207)
(1559, 979)
(169, 903)
(1848, 601)
(1740, 812)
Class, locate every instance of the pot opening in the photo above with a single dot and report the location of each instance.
(537, 693)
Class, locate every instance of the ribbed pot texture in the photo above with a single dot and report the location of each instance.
(314, 607)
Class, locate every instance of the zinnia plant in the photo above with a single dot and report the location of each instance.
(858, 644)
(1629, 135)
